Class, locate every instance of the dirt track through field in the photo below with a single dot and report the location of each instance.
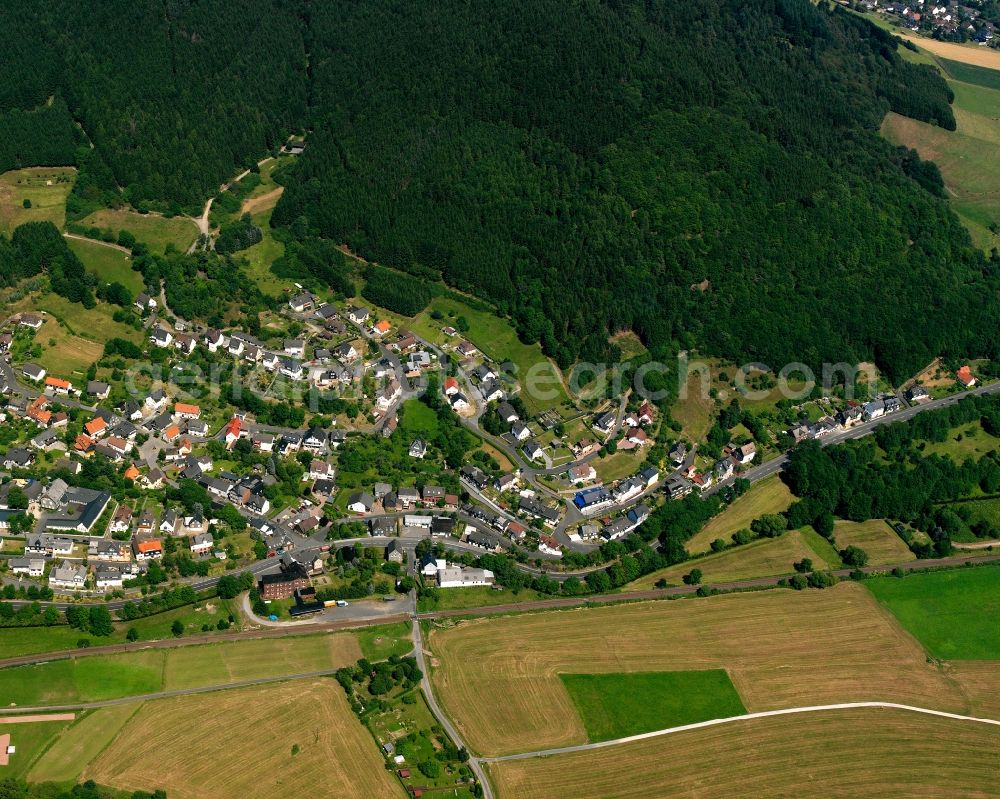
(262, 202)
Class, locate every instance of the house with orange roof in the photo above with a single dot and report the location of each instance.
(450, 386)
(131, 473)
(96, 427)
(381, 327)
(83, 443)
(147, 550)
(38, 412)
(965, 376)
(233, 432)
(183, 410)
(57, 385)
(171, 433)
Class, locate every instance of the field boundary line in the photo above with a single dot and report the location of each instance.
(746, 717)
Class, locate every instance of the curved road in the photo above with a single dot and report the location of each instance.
(746, 717)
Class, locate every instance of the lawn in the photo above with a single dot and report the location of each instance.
(31, 741)
(952, 613)
(156, 232)
(381, 642)
(285, 740)
(496, 338)
(108, 263)
(623, 463)
(890, 754)
(619, 705)
(477, 597)
(780, 649)
(46, 187)
(765, 557)
(876, 538)
(81, 743)
(87, 679)
(767, 496)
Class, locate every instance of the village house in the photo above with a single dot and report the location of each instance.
(581, 473)
(68, 577)
(549, 546)
(33, 372)
(148, 549)
(965, 376)
(161, 337)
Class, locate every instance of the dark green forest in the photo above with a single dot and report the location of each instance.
(38, 247)
(581, 164)
(583, 170)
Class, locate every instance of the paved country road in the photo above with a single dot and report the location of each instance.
(475, 763)
(747, 717)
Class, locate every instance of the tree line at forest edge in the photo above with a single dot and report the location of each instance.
(580, 170)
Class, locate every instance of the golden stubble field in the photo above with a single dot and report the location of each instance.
(498, 678)
(239, 745)
(890, 754)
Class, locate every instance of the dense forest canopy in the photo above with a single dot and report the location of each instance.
(581, 164)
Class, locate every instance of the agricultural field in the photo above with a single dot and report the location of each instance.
(109, 263)
(891, 754)
(45, 187)
(234, 661)
(765, 557)
(952, 613)
(618, 705)
(81, 743)
(31, 740)
(102, 677)
(876, 538)
(767, 496)
(156, 232)
(780, 648)
(301, 739)
(87, 679)
(495, 338)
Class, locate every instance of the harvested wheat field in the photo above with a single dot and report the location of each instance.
(876, 538)
(293, 739)
(980, 681)
(781, 649)
(235, 661)
(966, 53)
(843, 753)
